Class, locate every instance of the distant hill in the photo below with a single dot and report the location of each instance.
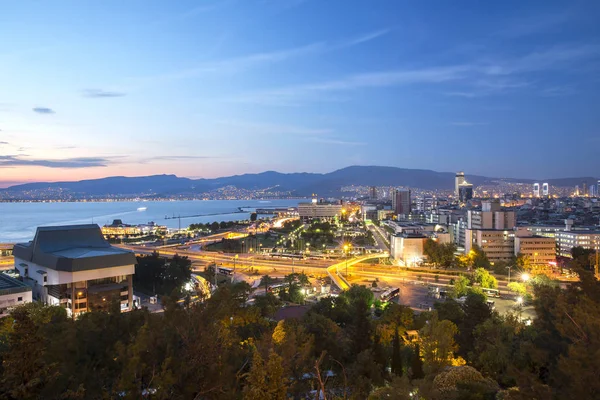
(302, 184)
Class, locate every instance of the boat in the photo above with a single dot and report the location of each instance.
(142, 208)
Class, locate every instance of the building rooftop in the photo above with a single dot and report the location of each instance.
(72, 248)
(10, 285)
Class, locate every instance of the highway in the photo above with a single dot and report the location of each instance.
(380, 237)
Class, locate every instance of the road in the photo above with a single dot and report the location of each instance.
(380, 237)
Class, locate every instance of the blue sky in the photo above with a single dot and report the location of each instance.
(213, 88)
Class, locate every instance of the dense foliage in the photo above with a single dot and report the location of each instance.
(225, 349)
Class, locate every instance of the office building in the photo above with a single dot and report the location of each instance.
(465, 192)
(492, 230)
(585, 190)
(308, 211)
(498, 245)
(566, 240)
(536, 190)
(12, 293)
(545, 190)
(491, 216)
(541, 251)
(373, 193)
(459, 179)
(401, 201)
(76, 268)
(593, 191)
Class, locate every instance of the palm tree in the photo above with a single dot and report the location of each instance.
(266, 280)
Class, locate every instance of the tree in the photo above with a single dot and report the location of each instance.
(437, 343)
(523, 262)
(483, 277)
(396, 355)
(461, 286)
(517, 287)
(479, 258)
(214, 226)
(266, 281)
(450, 382)
(416, 364)
(253, 217)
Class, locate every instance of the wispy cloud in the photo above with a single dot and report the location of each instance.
(192, 12)
(77, 162)
(555, 91)
(556, 57)
(534, 25)
(266, 128)
(178, 158)
(333, 141)
(98, 93)
(43, 110)
(244, 62)
(292, 94)
(3, 142)
(366, 38)
(467, 123)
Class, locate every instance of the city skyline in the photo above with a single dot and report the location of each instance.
(212, 89)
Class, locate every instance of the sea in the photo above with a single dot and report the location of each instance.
(18, 221)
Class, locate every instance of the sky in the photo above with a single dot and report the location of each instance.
(220, 87)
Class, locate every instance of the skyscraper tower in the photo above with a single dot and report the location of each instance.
(401, 201)
(373, 193)
(545, 189)
(536, 190)
(458, 180)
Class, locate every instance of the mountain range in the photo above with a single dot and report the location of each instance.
(300, 184)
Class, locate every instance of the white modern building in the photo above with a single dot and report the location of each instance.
(566, 240)
(545, 189)
(76, 268)
(407, 248)
(459, 179)
(12, 293)
(312, 210)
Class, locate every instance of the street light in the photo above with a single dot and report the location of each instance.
(234, 262)
(525, 277)
(508, 268)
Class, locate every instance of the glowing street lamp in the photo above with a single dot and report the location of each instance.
(525, 277)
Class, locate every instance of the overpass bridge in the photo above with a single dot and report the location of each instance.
(340, 281)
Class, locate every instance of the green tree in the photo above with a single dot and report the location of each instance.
(479, 258)
(396, 355)
(214, 226)
(517, 287)
(437, 343)
(485, 279)
(266, 281)
(416, 364)
(253, 217)
(461, 286)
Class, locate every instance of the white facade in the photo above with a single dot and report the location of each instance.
(407, 249)
(41, 277)
(566, 240)
(319, 210)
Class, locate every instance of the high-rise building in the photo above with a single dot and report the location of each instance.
(458, 180)
(536, 190)
(465, 192)
(401, 202)
(545, 189)
(593, 191)
(585, 190)
(492, 230)
(373, 193)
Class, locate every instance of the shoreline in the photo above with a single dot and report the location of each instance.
(138, 200)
